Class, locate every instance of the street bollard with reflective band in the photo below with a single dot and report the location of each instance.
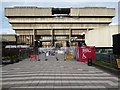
(56, 56)
(39, 56)
(46, 55)
(89, 61)
(65, 56)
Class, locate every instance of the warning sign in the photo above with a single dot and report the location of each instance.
(118, 62)
(69, 56)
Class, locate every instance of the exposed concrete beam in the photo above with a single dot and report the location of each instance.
(60, 20)
(92, 11)
(28, 11)
(56, 26)
(37, 11)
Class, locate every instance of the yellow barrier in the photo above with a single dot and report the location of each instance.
(118, 62)
(69, 56)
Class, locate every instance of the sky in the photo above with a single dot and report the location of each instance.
(6, 28)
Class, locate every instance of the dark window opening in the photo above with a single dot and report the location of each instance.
(60, 12)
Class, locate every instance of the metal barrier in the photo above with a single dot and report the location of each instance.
(108, 58)
(70, 53)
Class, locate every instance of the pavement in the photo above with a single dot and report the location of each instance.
(55, 75)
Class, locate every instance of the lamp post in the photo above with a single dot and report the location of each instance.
(75, 37)
(83, 39)
(72, 39)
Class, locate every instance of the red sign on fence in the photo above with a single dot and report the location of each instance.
(83, 53)
(33, 57)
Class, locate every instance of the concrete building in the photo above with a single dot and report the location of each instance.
(102, 37)
(7, 39)
(49, 26)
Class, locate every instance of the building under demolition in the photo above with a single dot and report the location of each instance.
(51, 26)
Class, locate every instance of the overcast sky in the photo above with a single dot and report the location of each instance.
(7, 28)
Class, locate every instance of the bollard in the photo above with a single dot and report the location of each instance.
(46, 59)
(56, 58)
(89, 61)
(46, 54)
(38, 56)
(65, 59)
(65, 56)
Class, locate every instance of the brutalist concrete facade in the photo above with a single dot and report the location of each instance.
(48, 26)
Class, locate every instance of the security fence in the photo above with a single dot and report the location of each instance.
(109, 59)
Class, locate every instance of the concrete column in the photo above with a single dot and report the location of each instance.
(40, 44)
(30, 40)
(70, 32)
(20, 39)
(33, 37)
(24, 38)
(52, 34)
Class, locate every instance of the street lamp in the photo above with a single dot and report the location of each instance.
(34, 40)
(83, 33)
(76, 37)
(83, 39)
(38, 43)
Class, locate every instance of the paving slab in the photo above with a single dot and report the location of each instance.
(56, 75)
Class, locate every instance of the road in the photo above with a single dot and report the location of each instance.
(55, 75)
